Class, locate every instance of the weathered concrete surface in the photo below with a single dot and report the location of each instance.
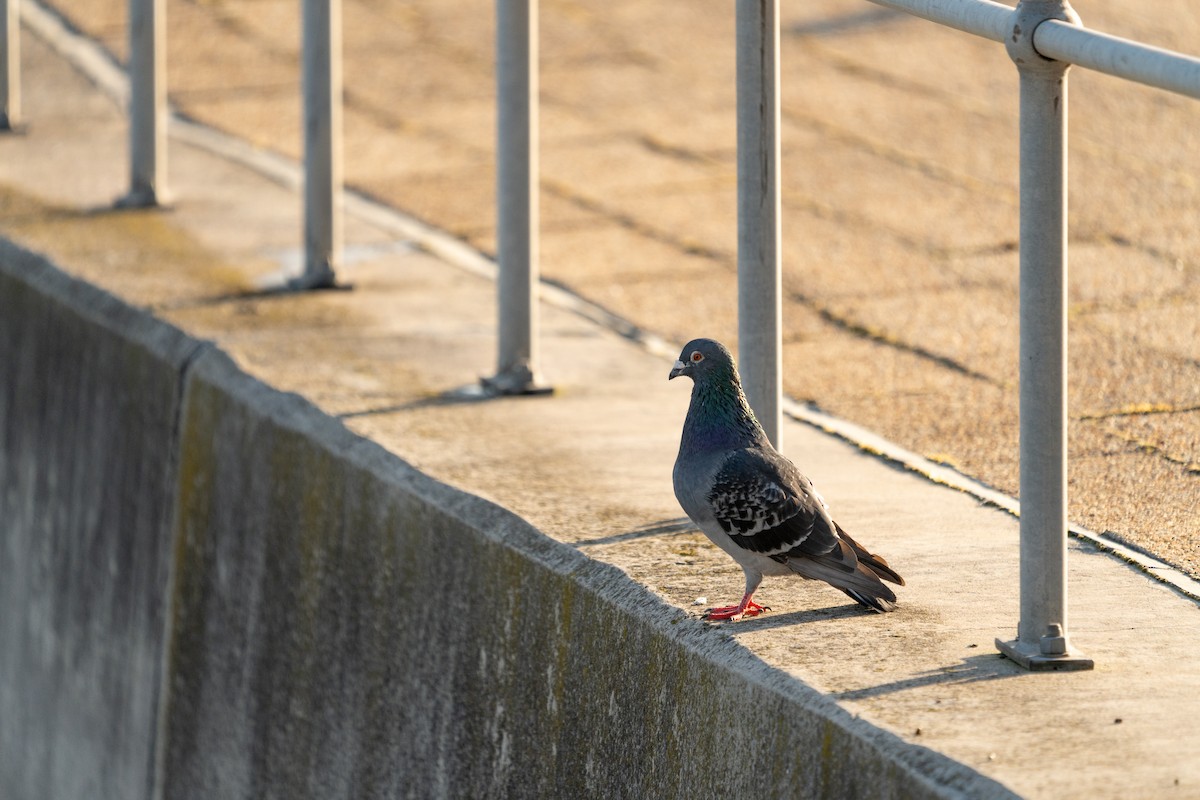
(89, 399)
(590, 467)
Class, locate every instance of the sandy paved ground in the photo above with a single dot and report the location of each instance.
(900, 200)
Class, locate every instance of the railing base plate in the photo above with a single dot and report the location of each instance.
(516, 381)
(1033, 659)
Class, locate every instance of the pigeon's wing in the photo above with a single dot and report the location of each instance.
(765, 505)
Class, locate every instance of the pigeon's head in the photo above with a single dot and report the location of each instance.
(704, 358)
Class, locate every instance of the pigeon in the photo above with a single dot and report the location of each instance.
(754, 503)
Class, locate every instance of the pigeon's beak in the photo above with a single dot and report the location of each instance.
(677, 370)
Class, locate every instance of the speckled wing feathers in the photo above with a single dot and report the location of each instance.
(766, 506)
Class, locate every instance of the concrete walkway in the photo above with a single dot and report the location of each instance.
(398, 357)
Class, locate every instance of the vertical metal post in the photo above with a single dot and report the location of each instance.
(1042, 636)
(322, 87)
(147, 104)
(760, 312)
(10, 65)
(517, 199)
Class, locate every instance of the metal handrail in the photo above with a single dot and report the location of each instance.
(10, 64)
(147, 104)
(760, 216)
(1063, 41)
(981, 17)
(1121, 58)
(1044, 38)
(517, 208)
(321, 80)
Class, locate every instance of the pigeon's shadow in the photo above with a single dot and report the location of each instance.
(771, 620)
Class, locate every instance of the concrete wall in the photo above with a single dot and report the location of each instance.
(211, 589)
(89, 395)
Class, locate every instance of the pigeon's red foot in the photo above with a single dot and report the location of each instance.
(746, 608)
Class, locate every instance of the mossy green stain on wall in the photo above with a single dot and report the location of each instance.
(191, 532)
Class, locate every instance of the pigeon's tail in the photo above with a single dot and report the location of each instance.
(875, 563)
(880, 604)
(853, 570)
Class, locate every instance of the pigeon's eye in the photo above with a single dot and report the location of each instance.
(697, 356)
